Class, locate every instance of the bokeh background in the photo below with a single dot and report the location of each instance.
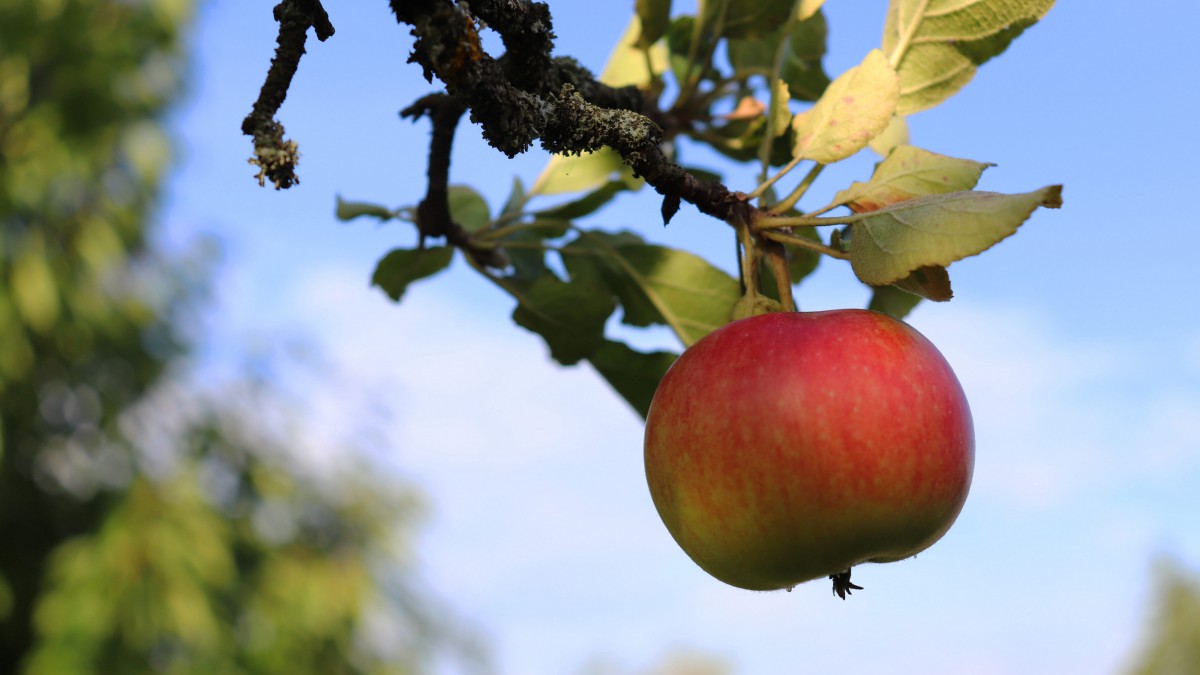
(224, 452)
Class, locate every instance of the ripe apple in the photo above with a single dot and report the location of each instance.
(792, 446)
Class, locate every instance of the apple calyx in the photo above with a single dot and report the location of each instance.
(842, 584)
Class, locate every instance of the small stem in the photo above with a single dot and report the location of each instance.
(780, 222)
(764, 149)
(749, 259)
(766, 185)
(824, 209)
(783, 279)
(499, 232)
(688, 87)
(803, 243)
(791, 199)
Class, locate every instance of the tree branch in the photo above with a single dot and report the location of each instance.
(579, 115)
(275, 156)
(433, 213)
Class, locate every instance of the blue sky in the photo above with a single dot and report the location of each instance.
(1077, 341)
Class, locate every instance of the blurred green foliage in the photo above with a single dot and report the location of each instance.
(146, 525)
(1171, 645)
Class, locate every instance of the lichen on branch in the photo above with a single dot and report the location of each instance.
(275, 156)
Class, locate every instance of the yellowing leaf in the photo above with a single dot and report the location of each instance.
(627, 62)
(780, 113)
(896, 134)
(888, 244)
(808, 8)
(855, 108)
(909, 172)
(575, 173)
(937, 45)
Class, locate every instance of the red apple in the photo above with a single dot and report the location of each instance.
(792, 446)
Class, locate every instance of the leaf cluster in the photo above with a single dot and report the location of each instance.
(746, 79)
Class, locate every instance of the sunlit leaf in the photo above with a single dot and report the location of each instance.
(575, 173)
(890, 243)
(781, 116)
(855, 108)
(937, 45)
(587, 204)
(627, 63)
(809, 8)
(909, 172)
(895, 135)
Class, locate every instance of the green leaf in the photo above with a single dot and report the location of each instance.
(855, 108)
(569, 316)
(350, 210)
(680, 37)
(802, 261)
(802, 69)
(655, 284)
(586, 204)
(890, 243)
(529, 262)
(627, 62)
(937, 45)
(515, 202)
(575, 173)
(468, 208)
(895, 135)
(402, 266)
(931, 283)
(909, 172)
(634, 375)
(893, 301)
(655, 18)
(745, 18)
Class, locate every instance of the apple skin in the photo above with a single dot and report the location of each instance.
(788, 447)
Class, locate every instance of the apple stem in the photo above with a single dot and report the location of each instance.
(783, 280)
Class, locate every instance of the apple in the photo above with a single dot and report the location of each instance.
(792, 446)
